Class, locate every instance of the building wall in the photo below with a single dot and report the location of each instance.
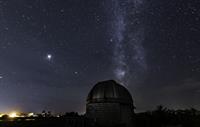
(127, 114)
(109, 114)
(104, 113)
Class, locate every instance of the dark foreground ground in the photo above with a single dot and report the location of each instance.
(161, 117)
(44, 122)
(81, 122)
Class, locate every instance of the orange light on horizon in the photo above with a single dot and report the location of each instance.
(13, 115)
(30, 114)
(1, 115)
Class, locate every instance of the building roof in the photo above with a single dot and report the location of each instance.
(109, 91)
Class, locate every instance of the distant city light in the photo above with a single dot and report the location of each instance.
(13, 115)
(1, 115)
(31, 114)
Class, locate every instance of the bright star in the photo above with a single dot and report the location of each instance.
(49, 56)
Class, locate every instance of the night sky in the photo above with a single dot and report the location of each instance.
(53, 51)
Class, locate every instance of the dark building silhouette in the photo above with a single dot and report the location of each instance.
(110, 104)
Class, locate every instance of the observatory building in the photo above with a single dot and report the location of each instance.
(110, 104)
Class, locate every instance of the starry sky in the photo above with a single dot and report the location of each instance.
(53, 51)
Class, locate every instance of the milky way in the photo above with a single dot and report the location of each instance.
(52, 52)
(127, 37)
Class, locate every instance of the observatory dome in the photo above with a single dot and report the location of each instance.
(110, 104)
(109, 91)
